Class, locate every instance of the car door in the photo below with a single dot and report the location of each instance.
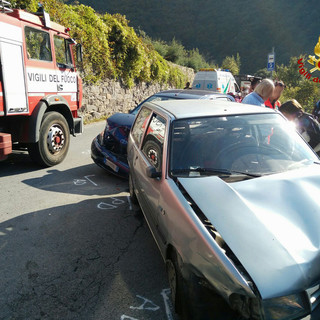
(150, 156)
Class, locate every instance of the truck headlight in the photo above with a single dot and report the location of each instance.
(291, 307)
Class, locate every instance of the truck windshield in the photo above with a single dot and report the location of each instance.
(63, 53)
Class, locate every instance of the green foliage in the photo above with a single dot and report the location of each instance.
(160, 46)
(175, 52)
(263, 73)
(289, 74)
(304, 90)
(224, 27)
(112, 49)
(195, 60)
(30, 5)
(232, 63)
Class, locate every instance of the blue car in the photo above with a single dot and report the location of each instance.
(109, 148)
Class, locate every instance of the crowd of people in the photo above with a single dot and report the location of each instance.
(266, 93)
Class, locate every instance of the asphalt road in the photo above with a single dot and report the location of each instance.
(72, 246)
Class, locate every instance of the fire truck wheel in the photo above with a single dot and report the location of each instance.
(54, 140)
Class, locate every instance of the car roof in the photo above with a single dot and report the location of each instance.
(190, 93)
(181, 109)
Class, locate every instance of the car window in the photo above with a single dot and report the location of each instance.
(140, 125)
(152, 146)
(152, 98)
(254, 144)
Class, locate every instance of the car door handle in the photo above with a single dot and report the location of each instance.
(162, 211)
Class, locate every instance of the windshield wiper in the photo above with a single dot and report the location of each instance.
(215, 171)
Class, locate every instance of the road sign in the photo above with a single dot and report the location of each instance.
(271, 62)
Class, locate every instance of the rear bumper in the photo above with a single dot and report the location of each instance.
(108, 160)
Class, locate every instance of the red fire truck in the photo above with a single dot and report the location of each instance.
(40, 90)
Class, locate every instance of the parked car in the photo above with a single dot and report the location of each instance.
(109, 148)
(231, 195)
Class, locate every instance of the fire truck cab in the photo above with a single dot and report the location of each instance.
(40, 90)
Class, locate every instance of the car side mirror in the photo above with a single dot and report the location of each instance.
(152, 173)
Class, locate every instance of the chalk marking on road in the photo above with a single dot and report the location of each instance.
(165, 295)
(79, 182)
(143, 307)
(117, 201)
(106, 206)
(92, 175)
(130, 203)
(127, 317)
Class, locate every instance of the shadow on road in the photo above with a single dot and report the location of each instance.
(85, 180)
(78, 262)
(17, 163)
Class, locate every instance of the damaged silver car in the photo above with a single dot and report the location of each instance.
(231, 195)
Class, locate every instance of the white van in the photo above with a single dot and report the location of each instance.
(215, 80)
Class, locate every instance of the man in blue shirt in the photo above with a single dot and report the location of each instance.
(262, 92)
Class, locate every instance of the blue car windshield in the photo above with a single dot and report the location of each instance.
(254, 144)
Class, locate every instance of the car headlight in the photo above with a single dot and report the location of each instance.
(291, 307)
(295, 306)
(100, 138)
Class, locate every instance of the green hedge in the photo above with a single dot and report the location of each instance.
(111, 47)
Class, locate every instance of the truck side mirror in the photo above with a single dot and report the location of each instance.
(79, 52)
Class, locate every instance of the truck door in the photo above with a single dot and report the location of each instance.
(65, 70)
(12, 70)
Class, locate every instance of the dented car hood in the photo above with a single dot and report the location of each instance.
(271, 223)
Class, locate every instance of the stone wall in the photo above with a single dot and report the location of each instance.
(103, 99)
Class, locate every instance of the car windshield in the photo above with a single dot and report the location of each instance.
(249, 145)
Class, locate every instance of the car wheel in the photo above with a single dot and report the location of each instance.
(54, 139)
(176, 282)
(133, 196)
(191, 300)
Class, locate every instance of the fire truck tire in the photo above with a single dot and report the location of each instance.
(54, 140)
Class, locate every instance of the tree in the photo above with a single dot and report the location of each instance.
(195, 60)
(175, 52)
(232, 64)
(289, 74)
(304, 90)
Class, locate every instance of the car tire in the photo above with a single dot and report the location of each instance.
(133, 196)
(54, 140)
(177, 285)
(193, 301)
